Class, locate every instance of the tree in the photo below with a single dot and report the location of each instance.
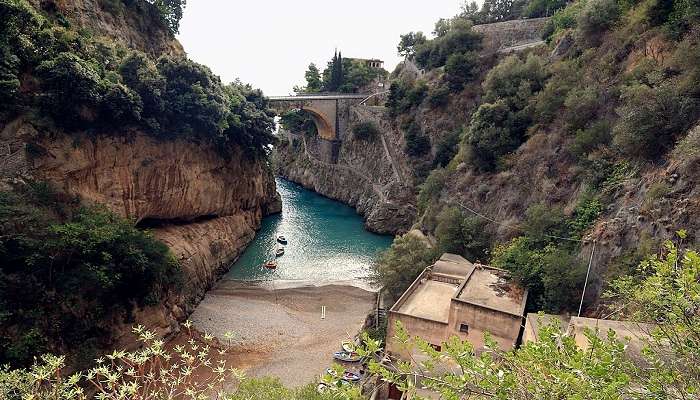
(461, 68)
(409, 42)
(543, 8)
(170, 12)
(397, 267)
(449, 231)
(652, 118)
(313, 79)
(501, 10)
(662, 296)
(470, 10)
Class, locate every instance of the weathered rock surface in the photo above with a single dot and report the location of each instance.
(205, 207)
(366, 176)
(136, 25)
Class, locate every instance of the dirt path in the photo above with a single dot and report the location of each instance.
(282, 329)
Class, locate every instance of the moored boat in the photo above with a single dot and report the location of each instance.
(271, 265)
(347, 356)
(349, 346)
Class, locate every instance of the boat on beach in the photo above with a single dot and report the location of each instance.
(279, 252)
(270, 265)
(349, 346)
(346, 356)
(282, 239)
(347, 375)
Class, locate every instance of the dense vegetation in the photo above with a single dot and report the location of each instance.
(662, 292)
(664, 289)
(344, 75)
(67, 273)
(83, 83)
(70, 274)
(620, 98)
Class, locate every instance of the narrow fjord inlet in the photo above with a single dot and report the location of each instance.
(326, 241)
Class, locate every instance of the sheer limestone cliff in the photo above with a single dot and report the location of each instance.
(369, 174)
(205, 207)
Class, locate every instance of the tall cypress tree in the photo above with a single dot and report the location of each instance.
(341, 77)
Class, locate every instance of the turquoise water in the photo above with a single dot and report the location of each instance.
(326, 241)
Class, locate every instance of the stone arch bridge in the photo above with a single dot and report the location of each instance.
(330, 111)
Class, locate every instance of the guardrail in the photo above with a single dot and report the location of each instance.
(319, 96)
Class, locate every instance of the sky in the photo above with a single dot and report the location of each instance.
(270, 43)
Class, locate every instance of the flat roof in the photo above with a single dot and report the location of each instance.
(430, 300)
(492, 288)
(533, 322)
(453, 265)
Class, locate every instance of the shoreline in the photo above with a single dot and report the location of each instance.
(277, 326)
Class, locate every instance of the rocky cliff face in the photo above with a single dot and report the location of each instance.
(205, 207)
(135, 25)
(368, 175)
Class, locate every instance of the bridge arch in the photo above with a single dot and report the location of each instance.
(325, 128)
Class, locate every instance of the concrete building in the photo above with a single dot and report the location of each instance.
(371, 62)
(454, 297)
(634, 332)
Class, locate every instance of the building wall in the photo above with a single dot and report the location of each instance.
(431, 331)
(499, 35)
(504, 327)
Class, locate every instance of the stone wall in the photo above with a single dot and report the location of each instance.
(500, 35)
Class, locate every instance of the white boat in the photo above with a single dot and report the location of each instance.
(282, 239)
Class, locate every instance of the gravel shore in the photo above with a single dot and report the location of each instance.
(280, 324)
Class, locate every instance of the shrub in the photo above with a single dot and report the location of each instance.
(543, 8)
(417, 144)
(651, 119)
(515, 80)
(458, 37)
(431, 188)
(67, 271)
(590, 139)
(194, 99)
(73, 89)
(366, 130)
(446, 149)
(449, 231)
(585, 214)
(494, 131)
(439, 96)
(404, 95)
(476, 240)
(460, 69)
(552, 275)
(565, 18)
(596, 17)
(399, 266)
(582, 104)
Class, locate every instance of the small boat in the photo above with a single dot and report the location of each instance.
(349, 346)
(350, 376)
(271, 265)
(322, 388)
(279, 252)
(282, 239)
(347, 375)
(347, 356)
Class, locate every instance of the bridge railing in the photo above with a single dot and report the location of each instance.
(320, 96)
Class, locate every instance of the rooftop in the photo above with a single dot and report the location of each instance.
(453, 265)
(429, 300)
(534, 321)
(491, 287)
